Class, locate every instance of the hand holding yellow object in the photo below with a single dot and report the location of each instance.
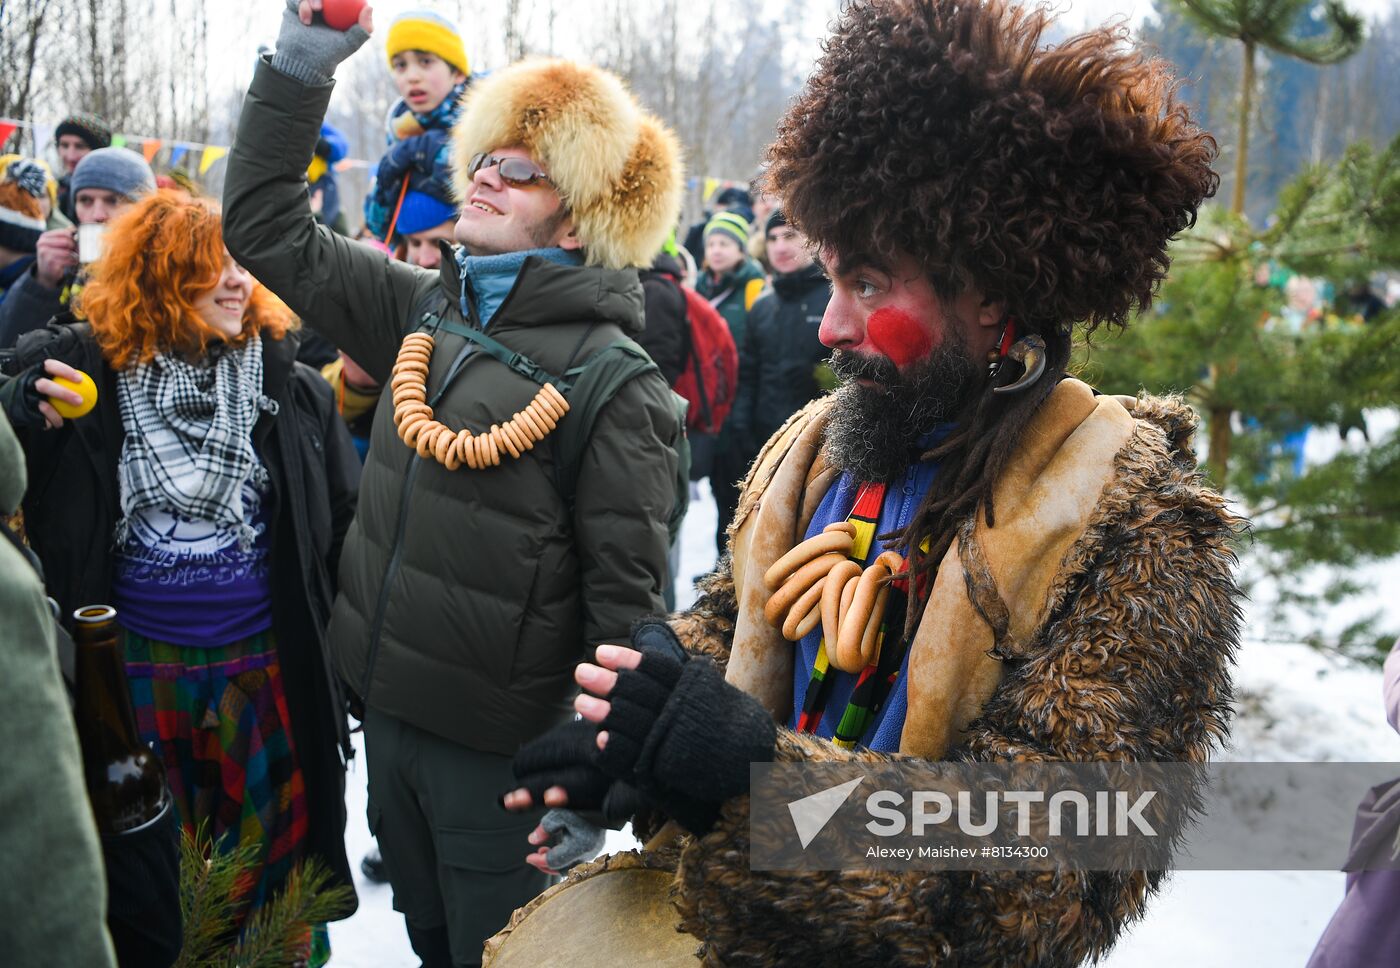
(63, 392)
(83, 387)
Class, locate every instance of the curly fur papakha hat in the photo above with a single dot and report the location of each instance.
(616, 167)
(1051, 177)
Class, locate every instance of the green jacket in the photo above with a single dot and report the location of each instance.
(741, 287)
(52, 887)
(466, 597)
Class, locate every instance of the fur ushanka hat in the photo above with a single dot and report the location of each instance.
(1049, 175)
(617, 168)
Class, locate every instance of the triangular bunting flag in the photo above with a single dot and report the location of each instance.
(710, 185)
(118, 141)
(211, 155)
(6, 129)
(150, 148)
(178, 152)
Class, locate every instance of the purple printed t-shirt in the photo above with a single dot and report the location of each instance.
(186, 581)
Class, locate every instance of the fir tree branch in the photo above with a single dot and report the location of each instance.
(277, 933)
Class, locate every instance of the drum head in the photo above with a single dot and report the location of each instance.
(613, 913)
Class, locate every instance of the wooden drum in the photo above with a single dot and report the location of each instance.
(614, 912)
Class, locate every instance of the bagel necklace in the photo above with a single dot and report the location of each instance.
(417, 427)
(821, 582)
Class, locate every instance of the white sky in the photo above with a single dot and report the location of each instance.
(239, 28)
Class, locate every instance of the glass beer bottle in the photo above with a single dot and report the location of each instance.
(125, 779)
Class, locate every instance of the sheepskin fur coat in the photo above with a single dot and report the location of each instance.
(1096, 621)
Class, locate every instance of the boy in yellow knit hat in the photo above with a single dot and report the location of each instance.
(429, 65)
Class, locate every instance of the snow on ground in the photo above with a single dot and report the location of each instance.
(1295, 704)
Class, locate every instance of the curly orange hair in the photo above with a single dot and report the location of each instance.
(160, 256)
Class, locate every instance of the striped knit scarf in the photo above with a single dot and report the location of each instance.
(189, 436)
(443, 117)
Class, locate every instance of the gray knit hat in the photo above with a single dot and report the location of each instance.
(119, 170)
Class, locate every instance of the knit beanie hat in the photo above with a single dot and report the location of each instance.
(616, 168)
(426, 31)
(21, 218)
(92, 129)
(775, 219)
(119, 170)
(730, 224)
(421, 211)
(50, 182)
(732, 196)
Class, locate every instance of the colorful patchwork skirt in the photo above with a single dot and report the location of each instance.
(218, 718)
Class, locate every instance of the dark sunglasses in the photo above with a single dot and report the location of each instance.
(513, 171)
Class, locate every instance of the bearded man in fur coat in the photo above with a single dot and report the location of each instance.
(975, 195)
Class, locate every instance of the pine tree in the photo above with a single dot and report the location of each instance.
(1214, 335)
(1273, 25)
(1270, 24)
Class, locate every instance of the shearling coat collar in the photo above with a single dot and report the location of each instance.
(993, 592)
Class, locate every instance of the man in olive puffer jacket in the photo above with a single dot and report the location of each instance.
(469, 593)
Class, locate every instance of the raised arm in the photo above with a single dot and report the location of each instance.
(356, 296)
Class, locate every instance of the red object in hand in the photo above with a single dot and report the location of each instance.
(341, 14)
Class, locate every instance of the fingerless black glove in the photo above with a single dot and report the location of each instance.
(681, 734)
(567, 756)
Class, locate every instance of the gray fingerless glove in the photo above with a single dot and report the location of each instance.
(579, 840)
(311, 54)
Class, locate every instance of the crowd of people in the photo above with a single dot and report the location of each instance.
(427, 481)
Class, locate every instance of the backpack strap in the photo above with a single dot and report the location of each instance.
(518, 362)
(433, 321)
(595, 383)
(588, 387)
(716, 300)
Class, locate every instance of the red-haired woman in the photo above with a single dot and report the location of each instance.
(206, 496)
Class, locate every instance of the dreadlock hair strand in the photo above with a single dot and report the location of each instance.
(971, 459)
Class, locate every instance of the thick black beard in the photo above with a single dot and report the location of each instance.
(874, 431)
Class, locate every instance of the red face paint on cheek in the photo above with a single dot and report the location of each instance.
(898, 335)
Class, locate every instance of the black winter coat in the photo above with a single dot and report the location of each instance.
(72, 506)
(666, 337)
(781, 352)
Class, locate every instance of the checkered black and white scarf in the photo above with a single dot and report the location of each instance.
(189, 436)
